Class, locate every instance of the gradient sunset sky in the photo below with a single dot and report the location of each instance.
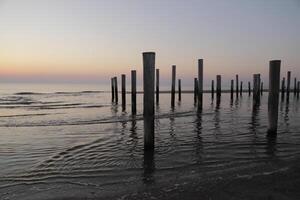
(90, 41)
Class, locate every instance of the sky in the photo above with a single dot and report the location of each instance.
(82, 41)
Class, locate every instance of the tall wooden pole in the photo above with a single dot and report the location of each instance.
(256, 89)
(298, 89)
(219, 89)
(200, 84)
(157, 86)
(195, 90)
(282, 88)
(212, 89)
(295, 86)
(261, 88)
(288, 85)
(123, 77)
(237, 85)
(273, 99)
(241, 89)
(116, 89)
(173, 86)
(112, 90)
(179, 90)
(231, 89)
(133, 92)
(249, 88)
(148, 101)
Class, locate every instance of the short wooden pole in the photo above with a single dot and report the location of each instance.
(116, 89)
(249, 88)
(173, 86)
(179, 90)
(241, 89)
(212, 89)
(273, 99)
(261, 88)
(123, 77)
(157, 86)
(200, 84)
(112, 90)
(282, 88)
(195, 90)
(288, 85)
(231, 89)
(295, 86)
(219, 89)
(237, 85)
(133, 92)
(148, 101)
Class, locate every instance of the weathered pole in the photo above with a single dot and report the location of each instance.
(219, 86)
(112, 90)
(173, 86)
(282, 88)
(179, 90)
(256, 89)
(288, 85)
(157, 86)
(261, 88)
(133, 92)
(237, 85)
(212, 89)
(200, 84)
(298, 89)
(123, 77)
(148, 101)
(249, 88)
(273, 99)
(195, 90)
(295, 86)
(231, 89)
(116, 89)
(241, 89)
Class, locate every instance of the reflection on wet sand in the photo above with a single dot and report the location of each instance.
(149, 167)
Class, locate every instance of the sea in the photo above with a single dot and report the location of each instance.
(60, 141)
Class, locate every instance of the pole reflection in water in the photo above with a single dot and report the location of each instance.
(286, 114)
(254, 118)
(217, 116)
(149, 167)
(198, 143)
(133, 135)
(271, 147)
(149, 132)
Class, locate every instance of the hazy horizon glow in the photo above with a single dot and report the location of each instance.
(91, 41)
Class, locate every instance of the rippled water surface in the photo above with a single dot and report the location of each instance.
(81, 137)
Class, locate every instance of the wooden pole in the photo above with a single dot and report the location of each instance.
(219, 89)
(273, 99)
(282, 88)
(157, 86)
(249, 88)
(288, 85)
(173, 86)
(261, 88)
(200, 84)
(237, 85)
(179, 90)
(212, 89)
(195, 90)
(295, 86)
(298, 89)
(123, 77)
(256, 89)
(112, 90)
(148, 101)
(241, 89)
(133, 92)
(116, 89)
(231, 89)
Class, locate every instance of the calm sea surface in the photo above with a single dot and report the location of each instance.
(66, 135)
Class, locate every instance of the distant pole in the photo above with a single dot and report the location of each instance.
(179, 89)
(237, 85)
(241, 89)
(173, 86)
(195, 90)
(116, 89)
(295, 86)
(273, 99)
(288, 85)
(231, 89)
(298, 89)
(112, 90)
(219, 85)
(261, 88)
(282, 88)
(148, 101)
(133, 92)
(200, 84)
(256, 89)
(212, 89)
(123, 76)
(157, 86)
(249, 88)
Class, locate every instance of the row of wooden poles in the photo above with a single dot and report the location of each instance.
(149, 92)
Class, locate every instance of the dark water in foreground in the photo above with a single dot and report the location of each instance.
(80, 140)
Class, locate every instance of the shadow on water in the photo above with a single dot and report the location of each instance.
(149, 167)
